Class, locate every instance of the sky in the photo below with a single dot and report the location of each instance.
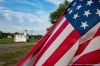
(33, 15)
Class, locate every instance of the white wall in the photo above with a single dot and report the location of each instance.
(20, 38)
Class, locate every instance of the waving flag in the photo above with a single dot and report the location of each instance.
(73, 40)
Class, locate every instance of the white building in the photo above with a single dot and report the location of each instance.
(21, 37)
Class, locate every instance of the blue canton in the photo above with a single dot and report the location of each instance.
(83, 14)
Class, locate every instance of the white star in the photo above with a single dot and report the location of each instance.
(99, 1)
(75, 16)
(70, 11)
(81, 0)
(78, 7)
(87, 13)
(84, 24)
(98, 12)
(74, 4)
(89, 2)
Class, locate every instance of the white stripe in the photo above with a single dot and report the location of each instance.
(55, 44)
(96, 64)
(56, 28)
(30, 61)
(92, 46)
(64, 61)
(62, 21)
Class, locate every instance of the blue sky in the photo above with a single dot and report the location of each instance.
(18, 15)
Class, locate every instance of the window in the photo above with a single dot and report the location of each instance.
(18, 36)
(24, 36)
(21, 36)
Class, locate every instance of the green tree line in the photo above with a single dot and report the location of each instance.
(4, 35)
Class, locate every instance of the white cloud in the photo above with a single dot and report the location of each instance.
(56, 2)
(16, 21)
(1, 0)
(26, 2)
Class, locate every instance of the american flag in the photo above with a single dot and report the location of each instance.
(73, 40)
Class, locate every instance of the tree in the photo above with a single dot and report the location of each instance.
(1, 34)
(38, 37)
(54, 15)
(16, 33)
(4, 35)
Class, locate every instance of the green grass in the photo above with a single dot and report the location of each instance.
(14, 57)
(33, 39)
(11, 40)
(6, 40)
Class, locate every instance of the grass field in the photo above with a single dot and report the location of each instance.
(11, 40)
(12, 57)
(6, 40)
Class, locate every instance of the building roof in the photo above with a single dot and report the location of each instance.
(20, 34)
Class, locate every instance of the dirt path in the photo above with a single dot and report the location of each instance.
(11, 47)
(7, 60)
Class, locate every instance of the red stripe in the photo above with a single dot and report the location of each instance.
(98, 32)
(84, 45)
(57, 33)
(89, 58)
(63, 48)
(81, 48)
(40, 43)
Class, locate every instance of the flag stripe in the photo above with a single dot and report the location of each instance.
(92, 58)
(81, 48)
(55, 44)
(63, 48)
(40, 43)
(61, 28)
(60, 23)
(67, 57)
(30, 60)
(84, 45)
(96, 64)
(92, 46)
